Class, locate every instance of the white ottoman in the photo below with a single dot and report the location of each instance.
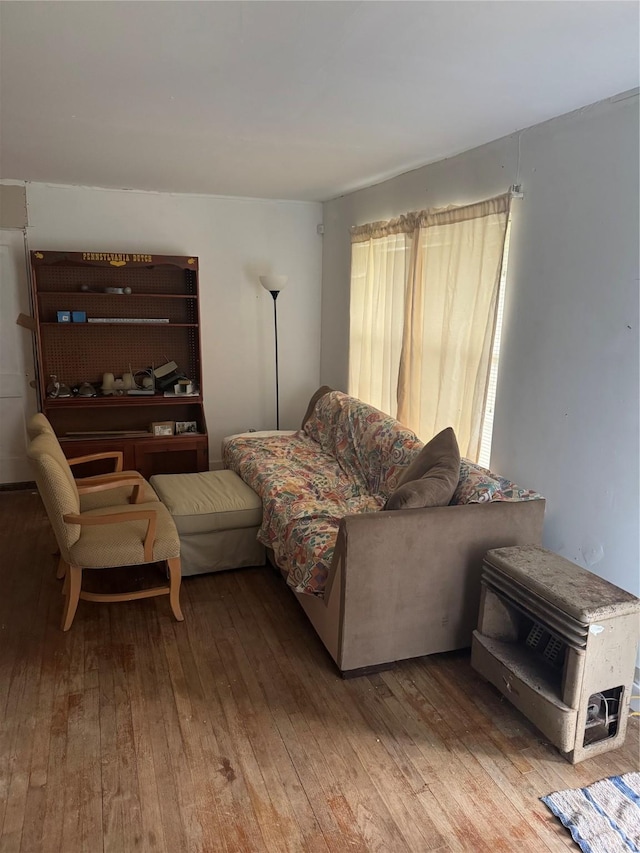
(217, 516)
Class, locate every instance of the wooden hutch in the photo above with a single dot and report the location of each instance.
(121, 314)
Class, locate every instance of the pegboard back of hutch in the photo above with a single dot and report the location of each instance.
(123, 315)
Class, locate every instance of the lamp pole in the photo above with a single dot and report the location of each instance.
(274, 284)
(275, 293)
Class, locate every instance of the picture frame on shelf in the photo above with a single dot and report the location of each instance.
(163, 428)
(186, 427)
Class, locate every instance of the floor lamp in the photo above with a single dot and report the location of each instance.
(274, 284)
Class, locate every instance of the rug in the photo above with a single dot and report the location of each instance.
(603, 818)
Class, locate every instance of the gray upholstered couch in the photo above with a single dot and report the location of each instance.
(378, 585)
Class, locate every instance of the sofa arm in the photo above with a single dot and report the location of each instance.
(409, 580)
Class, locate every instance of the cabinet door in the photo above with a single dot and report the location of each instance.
(177, 455)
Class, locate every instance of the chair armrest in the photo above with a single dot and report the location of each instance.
(92, 457)
(104, 482)
(149, 515)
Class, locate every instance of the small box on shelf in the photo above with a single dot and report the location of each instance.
(64, 316)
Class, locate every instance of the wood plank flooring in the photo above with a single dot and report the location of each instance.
(233, 731)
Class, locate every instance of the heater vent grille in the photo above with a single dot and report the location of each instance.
(565, 627)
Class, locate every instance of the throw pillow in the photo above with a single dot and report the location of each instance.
(432, 477)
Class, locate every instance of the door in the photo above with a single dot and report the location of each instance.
(17, 398)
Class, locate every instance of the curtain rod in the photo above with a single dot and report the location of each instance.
(515, 191)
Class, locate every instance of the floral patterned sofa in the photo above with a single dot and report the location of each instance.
(378, 586)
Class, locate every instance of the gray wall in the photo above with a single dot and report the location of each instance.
(566, 419)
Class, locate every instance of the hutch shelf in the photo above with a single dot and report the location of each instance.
(128, 313)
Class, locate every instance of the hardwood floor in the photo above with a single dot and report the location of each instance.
(233, 732)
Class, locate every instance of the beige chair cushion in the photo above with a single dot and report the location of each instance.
(38, 424)
(57, 488)
(121, 495)
(432, 477)
(211, 500)
(48, 443)
(122, 544)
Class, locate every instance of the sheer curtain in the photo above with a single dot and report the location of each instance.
(378, 280)
(440, 270)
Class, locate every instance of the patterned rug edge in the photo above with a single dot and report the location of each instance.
(628, 786)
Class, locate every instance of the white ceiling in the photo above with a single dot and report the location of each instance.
(295, 100)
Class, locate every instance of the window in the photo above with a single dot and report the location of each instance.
(425, 293)
(484, 457)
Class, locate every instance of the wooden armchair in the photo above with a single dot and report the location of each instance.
(39, 424)
(119, 493)
(105, 537)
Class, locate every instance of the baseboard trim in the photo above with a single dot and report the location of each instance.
(17, 487)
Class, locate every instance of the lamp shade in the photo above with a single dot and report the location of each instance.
(273, 282)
